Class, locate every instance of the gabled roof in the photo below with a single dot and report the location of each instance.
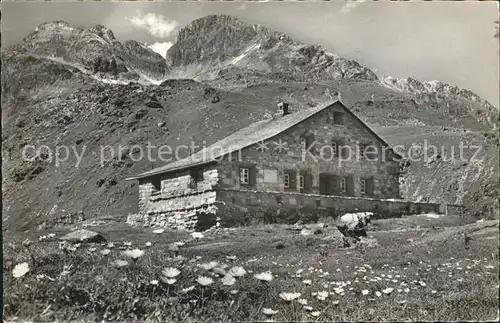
(248, 136)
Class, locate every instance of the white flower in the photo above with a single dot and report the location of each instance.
(133, 254)
(237, 271)
(268, 311)
(168, 281)
(105, 252)
(154, 282)
(378, 293)
(148, 244)
(187, 289)
(91, 249)
(170, 272)
(302, 301)
(365, 292)
(204, 281)
(402, 301)
(111, 245)
(27, 242)
(209, 266)
(265, 276)
(128, 244)
(120, 263)
(51, 235)
(406, 290)
(434, 291)
(322, 295)
(388, 290)
(316, 313)
(233, 291)
(422, 283)
(20, 270)
(228, 280)
(231, 257)
(308, 308)
(158, 231)
(307, 282)
(289, 296)
(197, 235)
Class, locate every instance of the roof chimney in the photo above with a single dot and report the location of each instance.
(283, 108)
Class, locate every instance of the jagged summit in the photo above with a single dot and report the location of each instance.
(92, 50)
(437, 90)
(216, 43)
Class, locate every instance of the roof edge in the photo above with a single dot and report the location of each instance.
(144, 175)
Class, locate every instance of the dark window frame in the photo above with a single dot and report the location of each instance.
(252, 175)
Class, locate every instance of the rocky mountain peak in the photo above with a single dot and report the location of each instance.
(103, 32)
(208, 24)
(437, 91)
(216, 43)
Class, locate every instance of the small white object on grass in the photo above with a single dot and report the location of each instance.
(20, 270)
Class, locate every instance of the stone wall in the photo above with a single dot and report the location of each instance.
(244, 207)
(451, 209)
(181, 200)
(270, 165)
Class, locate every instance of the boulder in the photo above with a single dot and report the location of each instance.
(353, 220)
(353, 225)
(83, 235)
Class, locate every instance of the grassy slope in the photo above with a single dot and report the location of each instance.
(465, 281)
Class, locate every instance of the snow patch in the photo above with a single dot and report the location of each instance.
(245, 53)
(111, 81)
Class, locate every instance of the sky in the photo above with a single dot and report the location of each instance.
(447, 41)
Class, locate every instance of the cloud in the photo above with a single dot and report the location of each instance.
(157, 25)
(161, 48)
(350, 5)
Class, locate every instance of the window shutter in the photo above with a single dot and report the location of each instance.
(350, 185)
(308, 181)
(309, 141)
(369, 186)
(293, 180)
(323, 184)
(335, 188)
(252, 175)
(343, 149)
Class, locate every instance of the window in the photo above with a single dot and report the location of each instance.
(286, 180)
(363, 186)
(156, 183)
(343, 185)
(303, 143)
(301, 182)
(197, 175)
(361, 151)
(334, 148)
(338, 118)
(290, 179)
(244, 176)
